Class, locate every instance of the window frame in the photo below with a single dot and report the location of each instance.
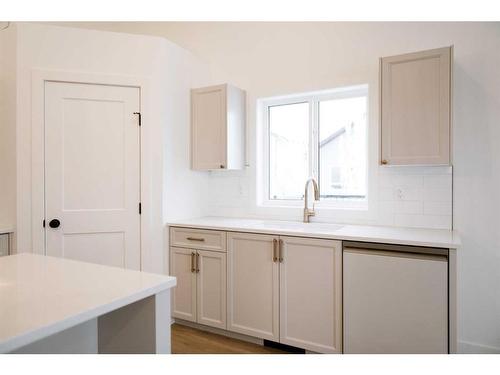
(314, 99)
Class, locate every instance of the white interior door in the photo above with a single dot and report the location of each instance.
(92, 173)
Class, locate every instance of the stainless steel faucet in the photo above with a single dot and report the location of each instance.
(310, 212)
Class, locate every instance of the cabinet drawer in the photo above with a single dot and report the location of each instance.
(198, 239)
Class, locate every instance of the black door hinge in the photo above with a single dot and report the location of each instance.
(140, 208)
(140, 117)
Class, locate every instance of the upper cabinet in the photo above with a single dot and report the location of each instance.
(416, 108)
(218, 128)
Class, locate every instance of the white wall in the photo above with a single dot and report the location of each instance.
(269, 59)
(7, 127)
(169, 72)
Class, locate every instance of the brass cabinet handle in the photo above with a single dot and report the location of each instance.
(384, 162)
(192, 262)
(197, 262)
(281, 251)
(195, 239)
(275, 249)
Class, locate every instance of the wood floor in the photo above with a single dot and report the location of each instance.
(187, 340)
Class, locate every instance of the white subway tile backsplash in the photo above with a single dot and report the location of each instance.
(438, 221)
(408, 207)
(385, 219)
(405, 197)
(437, 208)
(386, 181)
(406, 193)
(385, 214)
(415, 197)
(407, 220)
(437, 181)
(437, 194)
(415, 181)
(415, 170)
(386, 194)
(422, 221)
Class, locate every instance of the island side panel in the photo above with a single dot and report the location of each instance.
(143, 327)
(163, 320)
(128, 330)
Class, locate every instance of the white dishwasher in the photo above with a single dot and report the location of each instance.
(395, 299)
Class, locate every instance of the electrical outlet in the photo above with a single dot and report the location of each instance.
(400, 194)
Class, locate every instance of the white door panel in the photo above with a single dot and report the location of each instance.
(92, 173)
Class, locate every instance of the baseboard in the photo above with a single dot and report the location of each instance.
(465, 347)
(222, 332)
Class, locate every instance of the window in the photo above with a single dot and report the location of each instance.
(320, 135)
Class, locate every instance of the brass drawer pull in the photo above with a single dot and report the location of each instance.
(197, 263)
(275, 250)
(195, 239)
(281, 251)
(193, 268)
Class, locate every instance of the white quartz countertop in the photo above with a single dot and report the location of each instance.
(41, 295)
(381, 234)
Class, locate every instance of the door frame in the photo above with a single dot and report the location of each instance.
(38, 79)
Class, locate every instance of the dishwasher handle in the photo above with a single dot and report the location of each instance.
(395, 248)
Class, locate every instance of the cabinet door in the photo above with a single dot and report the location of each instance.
(208, 128)
(311, 294)
(182, 262)
(253, 285)
(415, 108)
(211, 288)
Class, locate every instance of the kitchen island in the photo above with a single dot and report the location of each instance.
(55, 305)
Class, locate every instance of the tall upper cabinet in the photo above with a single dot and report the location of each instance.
(218, 128)
(416, 108)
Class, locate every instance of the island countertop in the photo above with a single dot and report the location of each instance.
(42, 295)
(381, 234)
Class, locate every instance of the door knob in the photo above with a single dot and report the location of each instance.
(54, 223)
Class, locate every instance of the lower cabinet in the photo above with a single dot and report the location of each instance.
(286, 289)
(311, 294)
(291, 290)
(184, 294)
(253, 285)
(211, 289)
(200, 295)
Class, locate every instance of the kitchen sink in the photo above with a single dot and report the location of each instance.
(299, 226)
